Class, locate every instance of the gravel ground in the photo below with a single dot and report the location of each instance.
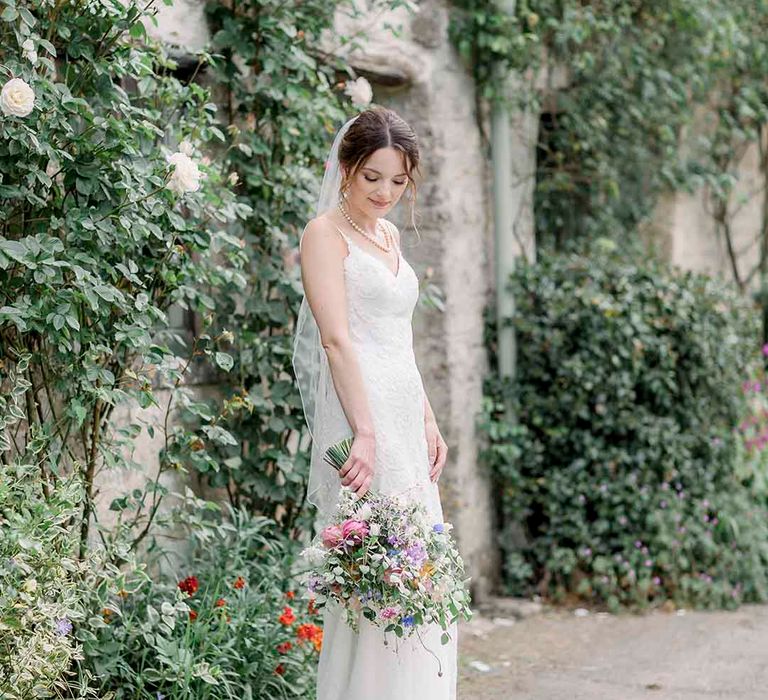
(570, 655)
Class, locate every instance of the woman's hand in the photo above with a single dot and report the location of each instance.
(437, 449)
(357, 471)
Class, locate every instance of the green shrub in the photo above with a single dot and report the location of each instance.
(624, 463)
(218, 627)
(45, 588)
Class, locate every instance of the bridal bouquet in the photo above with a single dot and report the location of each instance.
(381, 558)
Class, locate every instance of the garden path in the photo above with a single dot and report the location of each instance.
(574, 655)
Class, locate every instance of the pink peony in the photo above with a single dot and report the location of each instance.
(353, 531)
(389, 612)
(332, 536)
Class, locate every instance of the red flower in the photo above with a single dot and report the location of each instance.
(280, 670)
(307, 631)
(290, 595)
(239, 582)
(192, 615)
(311, 609)
(220, 603)
(287, 618)
(284, 647)
(189, 585)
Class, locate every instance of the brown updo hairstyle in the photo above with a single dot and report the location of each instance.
(375, 128)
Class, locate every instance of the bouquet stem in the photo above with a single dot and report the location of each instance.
(337, 454)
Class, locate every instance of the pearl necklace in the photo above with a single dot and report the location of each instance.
(386, 248)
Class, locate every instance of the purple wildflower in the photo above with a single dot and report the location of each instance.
(62, 627)
(416, 554)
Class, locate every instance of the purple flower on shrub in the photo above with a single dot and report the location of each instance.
(62, 627)
(623, 520)
(648, 562)
(663, 503)
(765, 349)
(657, 580)
(638, 544)
(665, 486)
(587, 552)
(438, 527)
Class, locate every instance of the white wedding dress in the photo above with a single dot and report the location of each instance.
(358, 666)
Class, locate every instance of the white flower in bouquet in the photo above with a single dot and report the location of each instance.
(17, 98)
(185, 176)
(359, 91)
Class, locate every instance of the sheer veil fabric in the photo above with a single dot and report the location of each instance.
(310, 366)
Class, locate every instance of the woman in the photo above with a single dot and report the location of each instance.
(357, 374)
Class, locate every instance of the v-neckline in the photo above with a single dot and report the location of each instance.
(395, 275)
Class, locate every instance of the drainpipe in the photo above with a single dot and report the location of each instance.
(501, 160)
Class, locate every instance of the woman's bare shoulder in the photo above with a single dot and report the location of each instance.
(321, 233)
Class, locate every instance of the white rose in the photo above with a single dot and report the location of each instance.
(185, 176)
(17, 99)
(30, 51)
(187, 148)
(359, 91)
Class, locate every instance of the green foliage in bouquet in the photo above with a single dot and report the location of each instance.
(623, 478)
(381, 558)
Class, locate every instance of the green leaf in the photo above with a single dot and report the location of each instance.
(224, 360)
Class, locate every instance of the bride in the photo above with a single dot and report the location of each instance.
(357, 374)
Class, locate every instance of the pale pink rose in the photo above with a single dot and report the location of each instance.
(332, 536)
(354, 531)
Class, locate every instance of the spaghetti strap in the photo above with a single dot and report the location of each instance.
(342, 234)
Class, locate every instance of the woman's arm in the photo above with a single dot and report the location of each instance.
(322, 273)
(438, 450)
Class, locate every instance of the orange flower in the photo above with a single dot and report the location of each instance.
(311, 609)
(309, 632)
(317, 640)
(192, 615)
(107, 613)
(220, 603)
(123, 593)
(284, 647)
(239, 582)
(280, 670)
(287, 618)
(290, 595)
